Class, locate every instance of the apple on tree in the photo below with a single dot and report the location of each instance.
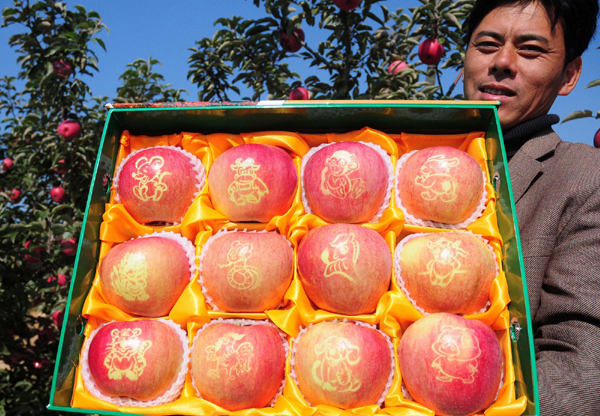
(69, 129)
(37, 250)
(347, 5)
(7, 163)
(431, 51)
(300, 93)
(292, 43)
(61, 169)
(396, 67)
(62, 68)
(70, 245)
(14, 194)
(58, 194)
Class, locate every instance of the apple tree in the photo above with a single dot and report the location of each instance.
(366, 51)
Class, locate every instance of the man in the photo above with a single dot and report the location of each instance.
(524, 53)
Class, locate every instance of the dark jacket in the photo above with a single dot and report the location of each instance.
(556, 186)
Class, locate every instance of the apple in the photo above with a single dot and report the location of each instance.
(291, 43)
(61, 169)
(69, 129)
(58, 194)
(145, 276)
(247, 272)
(14, 194)
(344, 268)
(342, 364)
(431, 51)
(596, 139)
(158, 184)
(300, 93)
(57, 318)
(347, 5)
(396, 67)
(345, 182)
(62, 68)
(37, 250)
(238, 367)
(253, 182)
(450, 364)
(447, 272)
(440, 184)
(137, 359)
(62, 279)
(7, 163)
(71, 245)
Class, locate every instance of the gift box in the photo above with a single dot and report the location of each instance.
(206, 130)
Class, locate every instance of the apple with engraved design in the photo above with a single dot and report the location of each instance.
(145, 276)
(158, 184)
(238, 367)
(450, 364)
(441, 184)
(253, 182)
(136, 359)
(344, 268)
(246, 271)
(342, 364)
(447, 272)
(345, 182)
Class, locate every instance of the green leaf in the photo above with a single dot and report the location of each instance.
(594, 83)
(578, 114)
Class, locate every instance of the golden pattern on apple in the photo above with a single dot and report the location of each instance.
(241, 275)
(247, 187)
(125, 354)
(344, 257)
(452, 349)
(332, 370)
(233, 360)
(435, 178)
(149, 187)
(335, 177)
(130, 277)
(445, 263)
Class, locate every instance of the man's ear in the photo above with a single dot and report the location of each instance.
(571, 76)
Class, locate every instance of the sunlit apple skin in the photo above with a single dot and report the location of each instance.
(300, 93)
(158, 184)
(69, 129)
(347, 5)
(342, 364)
(253, 182)
(440, 184)
(396, 67)
(58, 194)
(344, 268)
(238, 367)
(137, 359)
(431, 51)
(345, 182)
(247, 272)
(448, 272)
(292, 43)
(145, 276)
(450, 364)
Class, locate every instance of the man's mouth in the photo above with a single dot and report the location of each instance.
(497, 91)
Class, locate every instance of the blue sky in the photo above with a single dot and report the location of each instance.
(166, 30)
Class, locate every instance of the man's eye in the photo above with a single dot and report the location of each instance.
(531, 50)
(487, 46)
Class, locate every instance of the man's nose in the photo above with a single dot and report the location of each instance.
(504, 61)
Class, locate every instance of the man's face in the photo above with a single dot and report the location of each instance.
(516, 58)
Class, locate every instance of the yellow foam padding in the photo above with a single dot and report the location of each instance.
(394, 312)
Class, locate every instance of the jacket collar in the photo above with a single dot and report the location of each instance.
(525, 166)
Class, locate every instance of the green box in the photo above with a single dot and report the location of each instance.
(307, 117)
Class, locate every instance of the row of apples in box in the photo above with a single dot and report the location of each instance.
(343, 182)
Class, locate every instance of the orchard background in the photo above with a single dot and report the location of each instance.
(52, 121)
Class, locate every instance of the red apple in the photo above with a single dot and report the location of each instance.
(597, 139)
(450, 364)
(440, 184)
(447, 272)
(7, 163)
(136, 359)
(253, 182)
(347, 5)
(247, 272)
(396, 67)
(342, 364)
(291, 43)
(61, 169)
(158, 184)
(344, 268)
(57, 318)
(345, 182)
(62, 68)
(300, 93)
(14, 194)
(71, 245)
(69, 129)
(145, 276)
(238, 367)
(62, 279)
(37, 250)
(58, 194)
(431, 51)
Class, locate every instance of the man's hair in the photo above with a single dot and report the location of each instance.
(577, 18)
